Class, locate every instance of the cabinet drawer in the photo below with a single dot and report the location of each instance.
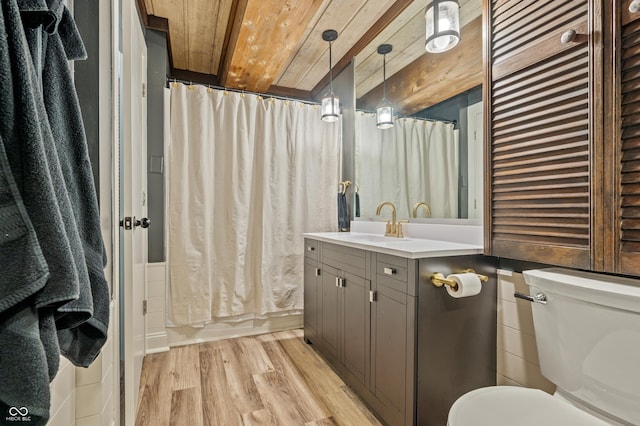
(392, 267)
(346, 259)
(311, 249)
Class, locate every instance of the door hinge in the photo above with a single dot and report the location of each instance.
(144, 90)
(372, 296)
(144, 307)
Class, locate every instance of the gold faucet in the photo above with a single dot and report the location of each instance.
(394, 229)
(426, 209)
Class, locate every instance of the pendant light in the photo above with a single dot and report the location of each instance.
(443, 25)
(330, 102)
(384, 112)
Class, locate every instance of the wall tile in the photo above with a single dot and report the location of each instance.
(156, 271)
(89, 400)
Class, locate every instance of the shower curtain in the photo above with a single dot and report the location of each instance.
(247, 175)
(416, 160)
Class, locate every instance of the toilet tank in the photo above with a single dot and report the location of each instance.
(588, 337)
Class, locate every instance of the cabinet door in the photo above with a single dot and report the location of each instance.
(539, 88)
(330, 315)
(627, 164)
(355, 313)
(389, 338)
(312, 300)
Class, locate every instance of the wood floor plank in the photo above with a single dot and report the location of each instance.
(154, 407)
(186, 407)
(187, 367)
(278, 398)
(218, 407)
(272, 379)
(262, 417)
(244, 358)
(306, 403)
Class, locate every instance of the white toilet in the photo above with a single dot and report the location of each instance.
(588, 334)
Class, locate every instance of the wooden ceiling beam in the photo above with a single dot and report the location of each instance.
(388, 17)
(267, 37)
(236, 17)
(433, 77)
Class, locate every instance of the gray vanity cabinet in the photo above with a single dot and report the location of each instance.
(364, 310)
(338, 300)
(393, 338)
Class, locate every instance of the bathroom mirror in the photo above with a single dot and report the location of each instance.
(433, 155)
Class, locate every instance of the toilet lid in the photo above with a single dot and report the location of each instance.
(516, 406)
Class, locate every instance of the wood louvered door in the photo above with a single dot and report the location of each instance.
(628, 154)
(539, 84)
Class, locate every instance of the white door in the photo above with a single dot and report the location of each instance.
(134, 203)
(475, 144)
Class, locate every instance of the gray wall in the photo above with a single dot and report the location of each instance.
(87, 82)
(455, 109)
(157, 70)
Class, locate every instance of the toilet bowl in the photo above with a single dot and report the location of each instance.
(588, 338)
(516, 406)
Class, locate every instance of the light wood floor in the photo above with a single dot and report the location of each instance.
(273, 379)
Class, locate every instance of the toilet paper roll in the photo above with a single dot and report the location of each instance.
(468, 285)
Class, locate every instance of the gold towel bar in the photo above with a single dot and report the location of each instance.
(438, 279)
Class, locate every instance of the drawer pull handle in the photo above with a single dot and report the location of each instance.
(317, 272)
(634, 7)
(389, 271)
(568, 36)
(310, 248)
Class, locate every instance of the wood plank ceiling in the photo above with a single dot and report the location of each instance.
(276, 46)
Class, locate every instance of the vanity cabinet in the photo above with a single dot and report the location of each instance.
(393, 337)
(562, 127)
(365, 328)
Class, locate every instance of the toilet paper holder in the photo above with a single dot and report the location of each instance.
(438, 279)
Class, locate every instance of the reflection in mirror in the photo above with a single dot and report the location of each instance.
(421, 160)
(416, 161)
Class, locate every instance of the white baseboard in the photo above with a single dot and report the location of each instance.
(157, 342)
(179, 336)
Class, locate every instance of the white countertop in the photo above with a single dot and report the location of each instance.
(411, 248)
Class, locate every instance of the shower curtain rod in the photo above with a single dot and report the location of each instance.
(263, 95)
(415, 118)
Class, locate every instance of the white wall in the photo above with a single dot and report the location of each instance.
(517, 354)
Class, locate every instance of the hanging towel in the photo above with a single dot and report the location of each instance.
(23, 266)
(80, 343)
(357, 205)
(40, 161)
(343, 212)
(24, 378)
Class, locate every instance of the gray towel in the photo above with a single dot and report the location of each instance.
(18, 244)
(80, 343)
(24, 380)
(343, 212)
(28, 344)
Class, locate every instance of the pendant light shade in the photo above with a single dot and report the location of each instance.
(330, 102)
(443, 25)
(384, 111)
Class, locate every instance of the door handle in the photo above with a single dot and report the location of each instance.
(143, 223)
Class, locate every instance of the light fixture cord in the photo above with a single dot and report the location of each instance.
(384, 76)
(330, 71)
